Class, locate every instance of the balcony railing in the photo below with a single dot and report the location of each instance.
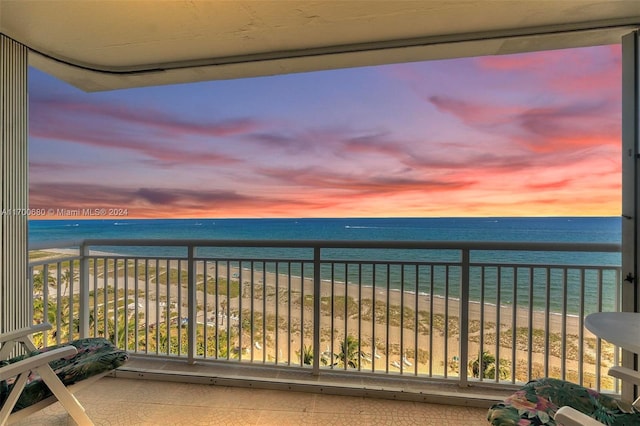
(461, 312)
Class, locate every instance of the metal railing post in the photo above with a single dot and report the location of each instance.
(464, 318)
(84, 291)
(316, 311)
(192, 303)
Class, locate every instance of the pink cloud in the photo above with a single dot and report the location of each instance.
(584, 71)
(355, 186)
(522, 62)
(540, 129)
(475, 113)
(376, 144)
(84, 123)
(148, 118)
(155, 202)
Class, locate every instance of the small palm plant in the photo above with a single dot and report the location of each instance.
(489, 365)
(67, 278)
(350, 354)
(38, 282)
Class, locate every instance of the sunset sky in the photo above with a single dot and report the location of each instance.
(522, 135)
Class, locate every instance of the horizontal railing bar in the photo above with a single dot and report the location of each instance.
(344, 261)
(331, 260)
(425, 245)
(539, 266)
(134, 257)
(476, 264)
(51, 260)
(327, 261)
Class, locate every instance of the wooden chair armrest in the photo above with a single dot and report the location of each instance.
(567, 416)
(36, 361)
(8, 341)
(626, 375)
(24, 332)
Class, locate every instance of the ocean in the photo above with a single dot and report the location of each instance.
(556, 230)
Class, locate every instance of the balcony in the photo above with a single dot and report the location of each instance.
(460, 323)
(129, 401)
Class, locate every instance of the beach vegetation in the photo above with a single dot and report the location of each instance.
(67, 278)
(394, 315)
(219, 286)
(557, 344)
(489, 367)
(272, 322)
(38, 281)
(340, 303)
(121, 329)
(408, 318)
(452, 324)
(381, 311)
(306, 356)
(350, 354)
(41, 254)
(283, 296)
(475, 326)
(366, 309)
(423, 356)
(308, 302)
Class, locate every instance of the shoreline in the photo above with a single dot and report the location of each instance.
(257, 273)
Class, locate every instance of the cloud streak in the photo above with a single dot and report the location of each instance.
(152, 134)
(150, 202)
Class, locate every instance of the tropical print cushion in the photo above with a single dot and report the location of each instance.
(537, 402)
(95, 356)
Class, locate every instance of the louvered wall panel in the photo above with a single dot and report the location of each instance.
(15, 298)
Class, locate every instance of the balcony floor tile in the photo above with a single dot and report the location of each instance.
(118, 401)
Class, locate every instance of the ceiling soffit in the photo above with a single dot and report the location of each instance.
(97, 46)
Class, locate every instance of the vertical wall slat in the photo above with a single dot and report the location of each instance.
(630, 187)
(15, 298)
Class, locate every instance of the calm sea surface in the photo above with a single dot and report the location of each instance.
(560, 229)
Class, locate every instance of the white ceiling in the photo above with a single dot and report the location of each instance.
(102, 45)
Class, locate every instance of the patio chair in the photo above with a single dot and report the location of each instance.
(557, 402)
(40, 377)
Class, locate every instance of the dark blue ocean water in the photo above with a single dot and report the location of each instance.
(560, 229)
